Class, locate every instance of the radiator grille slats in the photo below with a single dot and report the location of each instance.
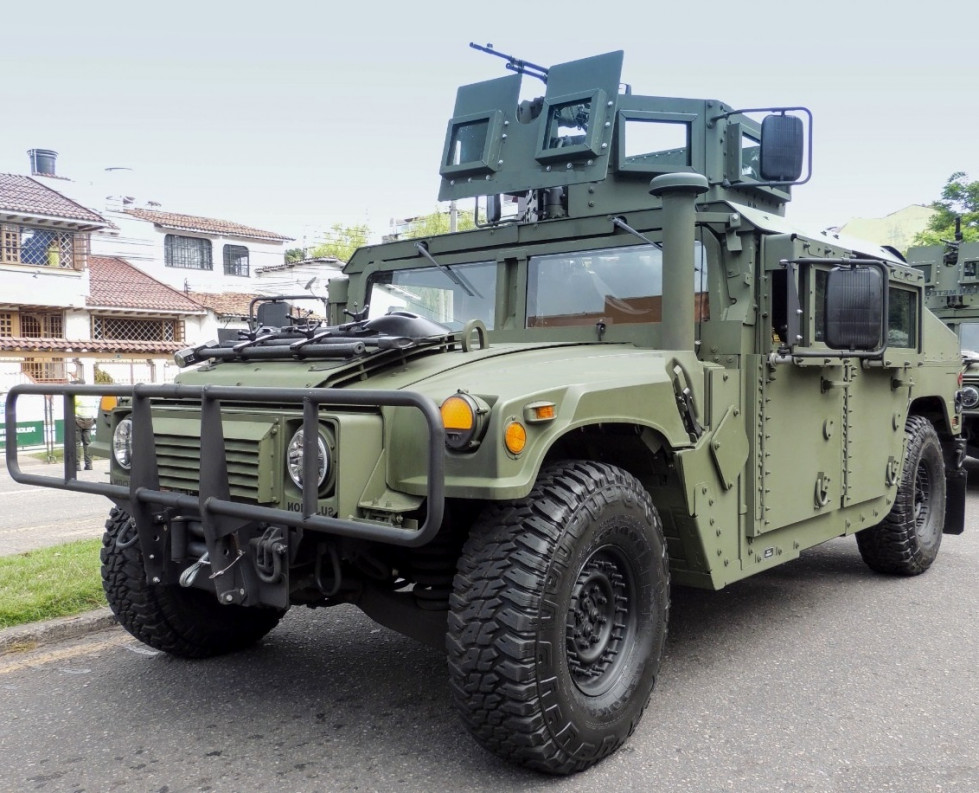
(247, 444)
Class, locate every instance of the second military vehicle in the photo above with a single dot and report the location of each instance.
(508, 442)
(951, 273)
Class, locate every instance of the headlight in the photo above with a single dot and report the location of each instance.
(463, 417)
(122, 443)
(970, 397)
(294, 458)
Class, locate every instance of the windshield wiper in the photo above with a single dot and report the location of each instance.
(626, 227)
(455, 277)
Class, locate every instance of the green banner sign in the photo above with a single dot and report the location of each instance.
(31, 433)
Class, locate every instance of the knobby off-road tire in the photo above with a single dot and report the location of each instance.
(906, 542)
(189, 623)
(558, 618)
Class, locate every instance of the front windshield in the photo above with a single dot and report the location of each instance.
(450, 295)
(611, 285)
(969, 337)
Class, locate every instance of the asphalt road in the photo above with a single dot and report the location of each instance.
(818, 676)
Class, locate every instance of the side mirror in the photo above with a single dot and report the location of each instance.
(782, 148)
(856, 307)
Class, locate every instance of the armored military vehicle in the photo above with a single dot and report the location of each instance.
(508, 442)
(951, 273)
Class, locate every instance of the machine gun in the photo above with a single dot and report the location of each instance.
(514, 64)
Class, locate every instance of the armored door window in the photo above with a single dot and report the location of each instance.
(190, 253)
(750, 157)
(902, 318)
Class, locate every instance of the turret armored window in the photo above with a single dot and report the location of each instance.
(654, 142)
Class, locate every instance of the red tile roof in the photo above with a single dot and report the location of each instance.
(21, 194)
(116, 284)
(77, 346)
(178, 222)
(225, 304)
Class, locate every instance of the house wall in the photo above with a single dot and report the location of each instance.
(141, 243)
(292, 280)
(40, 286)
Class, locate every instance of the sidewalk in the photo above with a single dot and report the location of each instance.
(29, 462)
(34, 517)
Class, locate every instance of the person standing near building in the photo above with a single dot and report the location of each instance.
(86, 409)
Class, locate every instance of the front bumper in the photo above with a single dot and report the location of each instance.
(220, 517)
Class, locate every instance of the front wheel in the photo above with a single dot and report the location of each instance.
(558, 618)
(185, 622)
(906, 542)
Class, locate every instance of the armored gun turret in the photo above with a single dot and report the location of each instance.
(508, 442)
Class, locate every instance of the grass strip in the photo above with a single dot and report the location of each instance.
(58, 581)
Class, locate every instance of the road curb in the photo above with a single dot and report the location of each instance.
(36, 634)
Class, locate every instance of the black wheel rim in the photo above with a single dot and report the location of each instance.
(601, 621)
(925, 528)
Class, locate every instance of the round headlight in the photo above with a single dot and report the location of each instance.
(970, 397)
(294, 458)
(464, 420)
(122, 443)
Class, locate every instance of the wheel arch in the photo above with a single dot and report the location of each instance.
(639, 449)
(933, 408)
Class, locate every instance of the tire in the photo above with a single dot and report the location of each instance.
(906, 542)
(189, 623)
(558, 618)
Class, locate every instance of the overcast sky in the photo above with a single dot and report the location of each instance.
(294, 116)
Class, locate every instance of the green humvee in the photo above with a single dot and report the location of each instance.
(508, 442)
(951, 274)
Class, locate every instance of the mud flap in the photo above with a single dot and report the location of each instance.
(955, 485)
(956, 481)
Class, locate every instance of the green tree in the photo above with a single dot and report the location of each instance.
(294, 255)
(342, 241)
(960, 198)
(437, 222)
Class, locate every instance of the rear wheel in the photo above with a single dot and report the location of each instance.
(906, 542)
(185, 622)
(558, 618)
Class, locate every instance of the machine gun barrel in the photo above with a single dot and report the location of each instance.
(513, 63)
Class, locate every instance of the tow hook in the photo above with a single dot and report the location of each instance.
(269, 550)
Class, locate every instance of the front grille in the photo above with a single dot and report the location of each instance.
(249, 450)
